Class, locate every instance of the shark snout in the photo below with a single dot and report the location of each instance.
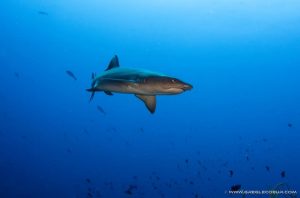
(187, 87)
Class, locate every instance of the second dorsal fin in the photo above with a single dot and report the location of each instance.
(113, 63)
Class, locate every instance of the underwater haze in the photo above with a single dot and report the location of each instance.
(237, 130)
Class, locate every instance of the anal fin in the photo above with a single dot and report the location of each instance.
(149, 101)
(108, 93)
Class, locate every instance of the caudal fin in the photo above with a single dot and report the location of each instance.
(92, 86)
(92, 94)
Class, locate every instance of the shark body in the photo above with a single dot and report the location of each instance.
(142, 83)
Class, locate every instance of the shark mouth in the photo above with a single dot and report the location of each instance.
(174, 90)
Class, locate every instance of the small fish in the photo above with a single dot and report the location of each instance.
(101, 109)
(89, 194)
(85, 131)
(290, 125)
(231, 173)
(268, 168)
(235, 187)
(225, 164)
(247, 157)
(71, 74)
(17, 75)
(282, 174)
(43, 13)
(88, 180)
(69, 150)
(130, 189)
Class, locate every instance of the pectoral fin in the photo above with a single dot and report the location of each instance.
(149, 101)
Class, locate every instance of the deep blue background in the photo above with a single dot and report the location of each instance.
(242, 57)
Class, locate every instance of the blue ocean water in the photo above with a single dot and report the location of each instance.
(239, 125)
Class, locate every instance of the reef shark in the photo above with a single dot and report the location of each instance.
(145, 85)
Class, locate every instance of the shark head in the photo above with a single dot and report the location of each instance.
(166, 85)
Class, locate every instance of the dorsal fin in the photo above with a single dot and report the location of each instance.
(113, 63)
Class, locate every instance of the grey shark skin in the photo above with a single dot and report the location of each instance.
(142, 83)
